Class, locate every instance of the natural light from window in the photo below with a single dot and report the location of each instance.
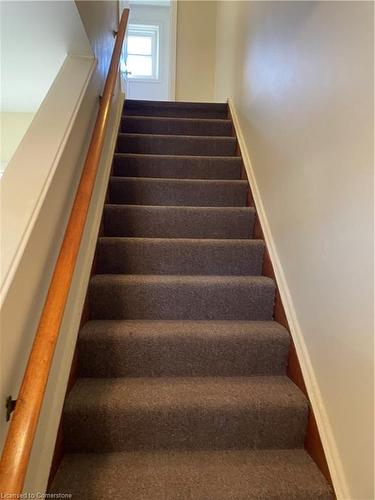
(142, 52)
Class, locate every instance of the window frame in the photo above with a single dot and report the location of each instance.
(153, 32)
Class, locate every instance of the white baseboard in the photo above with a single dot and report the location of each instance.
(325, 431)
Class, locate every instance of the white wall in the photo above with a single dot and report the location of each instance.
(196, 38)
(35, 39)
(300, 75)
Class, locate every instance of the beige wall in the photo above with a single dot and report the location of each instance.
(195, 64)
(301, 78)
(100, 18)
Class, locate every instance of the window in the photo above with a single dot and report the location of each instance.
(143, 52)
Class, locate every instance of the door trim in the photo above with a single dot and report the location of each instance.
(172, 50)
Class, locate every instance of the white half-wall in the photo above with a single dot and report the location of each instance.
(300, 79)
(44, 443)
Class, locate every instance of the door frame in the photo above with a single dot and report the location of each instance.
(173, 5)
(172, 49)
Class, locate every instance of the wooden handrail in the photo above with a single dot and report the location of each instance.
(20, 437)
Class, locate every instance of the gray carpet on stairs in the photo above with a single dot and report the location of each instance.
(177, 126)
(193, 475)
(117, 255)
(116, 296)
(177, 167)
(215, 111)
(178, 222)
(184, 413)
(176, 145)
(182, 391)
(185, 192)
(154, 348)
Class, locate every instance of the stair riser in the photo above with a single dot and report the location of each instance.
(177, 168)
(175, 193)
(149, 256)
(185, 428)
(114, 299)
(176, 109)
(176, 145)
(135, 125)
(200, 475)
(212, 114)
(165, 222)
(181, 356)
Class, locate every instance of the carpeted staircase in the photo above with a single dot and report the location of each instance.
(183, 392)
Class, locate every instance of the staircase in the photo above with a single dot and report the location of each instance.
(182, 390)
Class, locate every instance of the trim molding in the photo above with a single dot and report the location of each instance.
(324, 428)
(77, 295)
(172, 49)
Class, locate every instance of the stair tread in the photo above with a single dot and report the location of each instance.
(209, 412)
(141, 103)
(220, 328)
(129, 255)
(180, 208)
(165, 137)
(236, 159)
(176, 119)
(202, 280)
(176, 125)
(164, 166)
(130, 296)
(147, 394)
(198, 475)
(178, 221)
(182, 182)
(184, 192)
(120, 348)
(175, 144)
(176, 108)
(181, 241)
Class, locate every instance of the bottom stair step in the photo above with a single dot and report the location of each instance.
(203, 475)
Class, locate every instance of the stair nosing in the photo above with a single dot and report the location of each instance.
(133, 103)
(194, 157)
(227, 138)
(175, 118)
(200, 385)
(207, 241)
(191, 279)
(199, 324)
(179, 207)
(120, 178)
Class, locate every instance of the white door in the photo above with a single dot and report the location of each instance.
(147, 61)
